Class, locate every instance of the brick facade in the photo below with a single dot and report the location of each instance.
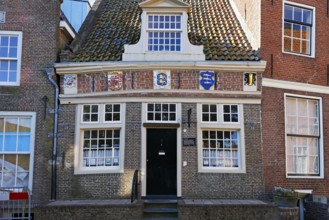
(39, 23)
(294, 68)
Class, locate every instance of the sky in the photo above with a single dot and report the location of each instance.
(76, 11)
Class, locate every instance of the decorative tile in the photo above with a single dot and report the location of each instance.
(161, 79)
(70, 84)
(207, 80)
(115, 81)
(250, 81)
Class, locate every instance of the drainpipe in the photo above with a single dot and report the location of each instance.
(50, 73)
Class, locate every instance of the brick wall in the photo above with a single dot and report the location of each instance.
(87, 212)
(38, 21)
(232, 212)
(226, 185)
(98, 186)
(294, 67)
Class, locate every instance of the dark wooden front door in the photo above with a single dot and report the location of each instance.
(161, 162)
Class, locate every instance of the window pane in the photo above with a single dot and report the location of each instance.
(13, 52)
(3, 52)
(288, 12)
(4, 41)
(297, 14)
(13, 41)
(296, 45)
(307, 16)
(287, 29)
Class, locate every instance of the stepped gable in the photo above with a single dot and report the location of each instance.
(211, 23)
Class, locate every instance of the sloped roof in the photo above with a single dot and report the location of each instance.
(211, 23)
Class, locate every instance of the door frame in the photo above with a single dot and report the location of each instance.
(144, 150)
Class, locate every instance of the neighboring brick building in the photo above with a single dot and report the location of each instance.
(294, 42)
(29, 42)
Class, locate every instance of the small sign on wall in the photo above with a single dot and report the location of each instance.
(189, 141)
(161, 79)
(207, 80)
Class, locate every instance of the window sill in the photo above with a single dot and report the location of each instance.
(305, 177)
(9, 84)
(102, 170)
(221, 170)
(298, 54)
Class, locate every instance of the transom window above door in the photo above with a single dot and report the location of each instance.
(161, 112)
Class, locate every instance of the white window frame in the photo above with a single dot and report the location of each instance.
(164, 30)
(19, 34)
(321, 151)
(163, 121)
(32, 140)
(104, 111)
(312, 37)
(101, 125)
(230, 122)
(220, 126)
(98, 115)
(217, 113)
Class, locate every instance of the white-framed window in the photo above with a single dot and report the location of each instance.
(90, 113)
(10, 57)
(221, 138)
(161, 112)
(17, 133)
(230, 113)
(304, 151)
(164, 32)
(100, 145)
(209, 112)
(298, 29)
(112, 112)
(220, 148)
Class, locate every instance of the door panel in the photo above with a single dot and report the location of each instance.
(161, 162)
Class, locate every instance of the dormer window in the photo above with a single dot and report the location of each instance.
(164, 32)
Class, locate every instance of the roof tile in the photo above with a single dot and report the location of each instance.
(211, 23)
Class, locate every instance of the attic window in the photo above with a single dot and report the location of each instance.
(164, 32)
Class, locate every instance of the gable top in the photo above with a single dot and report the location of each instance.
(211, 23)
(164, 4)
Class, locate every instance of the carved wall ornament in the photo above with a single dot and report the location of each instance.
(115, 80)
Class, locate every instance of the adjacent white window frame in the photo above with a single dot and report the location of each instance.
(101, 125)
(19, 34)
(320, 140)
(312, 37)
(221, 126)
(32, 140)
